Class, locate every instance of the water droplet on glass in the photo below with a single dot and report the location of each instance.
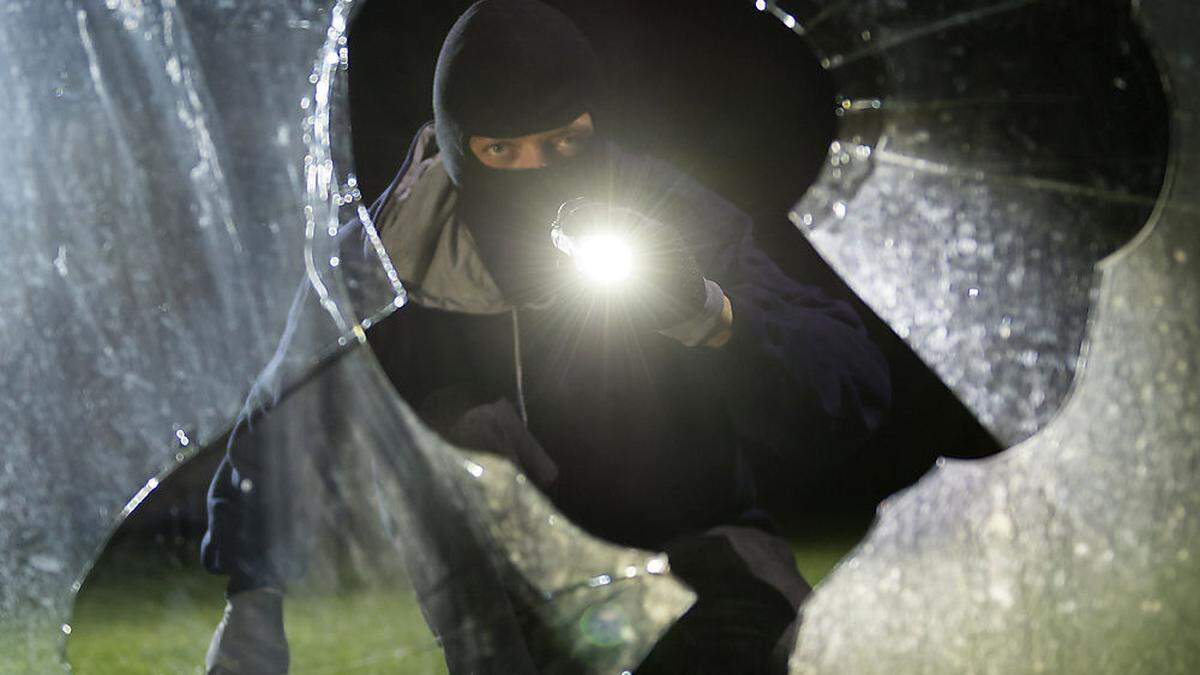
(60, 261)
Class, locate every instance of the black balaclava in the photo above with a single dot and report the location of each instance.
(509, 68)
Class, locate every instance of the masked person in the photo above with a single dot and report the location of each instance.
(634, 408)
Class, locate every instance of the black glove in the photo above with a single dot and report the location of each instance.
(665, 286)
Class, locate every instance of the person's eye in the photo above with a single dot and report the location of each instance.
(497, 149)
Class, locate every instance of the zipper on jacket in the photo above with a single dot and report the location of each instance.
(516, 328)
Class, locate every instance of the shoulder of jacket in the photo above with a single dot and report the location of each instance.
(674, 192)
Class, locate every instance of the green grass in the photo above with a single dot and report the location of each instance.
(150, 613)
(816, 558)
(139, 615)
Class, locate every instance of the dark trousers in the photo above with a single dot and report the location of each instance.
(748, 589)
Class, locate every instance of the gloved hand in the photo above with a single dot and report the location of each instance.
(250, 638)
(664, 288)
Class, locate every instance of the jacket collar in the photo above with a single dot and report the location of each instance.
(432, 250)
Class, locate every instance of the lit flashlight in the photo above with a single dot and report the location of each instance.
(601, 254)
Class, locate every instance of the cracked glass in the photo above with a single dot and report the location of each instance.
(989, 154)
(1012, 189)
(189, 264)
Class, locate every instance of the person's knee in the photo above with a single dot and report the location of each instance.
(747, 590)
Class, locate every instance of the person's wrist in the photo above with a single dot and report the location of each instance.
(706, 324)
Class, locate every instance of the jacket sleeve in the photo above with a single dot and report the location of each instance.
(800, 374)
(244, 539)
(238, 543)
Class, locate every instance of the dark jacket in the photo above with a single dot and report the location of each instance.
(634, 436)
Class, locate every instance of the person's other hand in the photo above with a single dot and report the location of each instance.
(250, 638)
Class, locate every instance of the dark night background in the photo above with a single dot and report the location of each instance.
(722, 91)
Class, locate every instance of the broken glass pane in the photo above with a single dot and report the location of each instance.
(971, 216)
(179, 199)
(152, 254)
(989, 154)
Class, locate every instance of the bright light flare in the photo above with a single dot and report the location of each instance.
(604, 259)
